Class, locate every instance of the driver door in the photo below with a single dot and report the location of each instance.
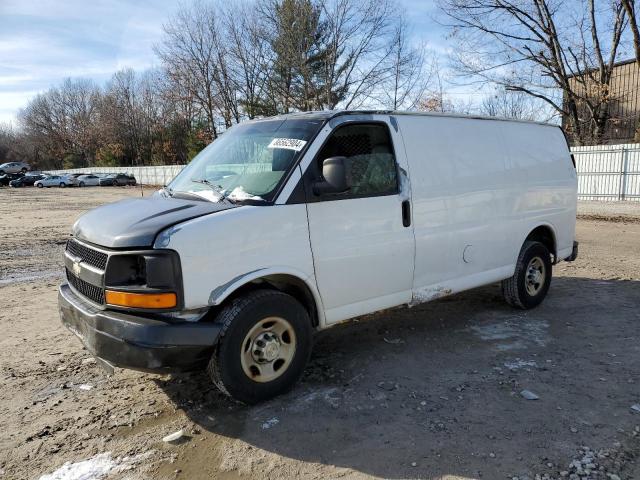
(362, 240)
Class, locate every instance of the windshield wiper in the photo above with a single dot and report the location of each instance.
(188, 195)
(216, 188)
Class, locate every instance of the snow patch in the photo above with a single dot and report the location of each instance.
(518, 364)
(238, 193)
(96, 467)
(272, 422)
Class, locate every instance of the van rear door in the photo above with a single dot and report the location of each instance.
(362, 240)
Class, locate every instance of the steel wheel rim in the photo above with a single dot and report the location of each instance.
(535, 278)
(268, 349)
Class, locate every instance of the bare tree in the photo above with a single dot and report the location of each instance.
(12, 146)
(411, 72)
(62, 122)
(435, 99)
(251, 59)
(516, 105)
(195, 61)
(360, 40)
(131, 109)
(630, 9)
(547, 49)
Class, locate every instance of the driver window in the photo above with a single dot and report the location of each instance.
(371, 165)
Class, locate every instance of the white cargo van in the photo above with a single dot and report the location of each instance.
(292, 224)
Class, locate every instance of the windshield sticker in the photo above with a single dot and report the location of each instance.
(287, 143)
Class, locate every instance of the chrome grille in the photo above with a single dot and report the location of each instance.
(87, 254)
(93, 293)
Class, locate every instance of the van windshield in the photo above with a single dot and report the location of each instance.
(247, 162)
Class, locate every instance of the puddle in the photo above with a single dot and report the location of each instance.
(514, 335)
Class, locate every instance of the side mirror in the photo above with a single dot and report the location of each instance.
(334, 172)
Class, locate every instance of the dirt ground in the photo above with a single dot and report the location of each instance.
(426, 392)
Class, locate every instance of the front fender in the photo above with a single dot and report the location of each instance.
(219, 294)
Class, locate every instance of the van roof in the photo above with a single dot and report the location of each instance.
(329, 114)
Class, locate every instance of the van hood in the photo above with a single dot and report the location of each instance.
(136, 222)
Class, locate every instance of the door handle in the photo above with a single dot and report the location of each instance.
(406, 213)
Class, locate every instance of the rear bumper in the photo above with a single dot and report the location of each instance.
(135, 342)
(574, 253)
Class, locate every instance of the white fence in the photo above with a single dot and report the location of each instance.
(605, 172)
(155, 175)
(608, 172)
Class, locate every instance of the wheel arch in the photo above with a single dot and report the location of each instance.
(545, 234)
(293, 283)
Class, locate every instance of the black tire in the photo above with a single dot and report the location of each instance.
(39, 185)
(525, 289)
(238, 319)
(62, 185)
(24, 170)
(81, 184)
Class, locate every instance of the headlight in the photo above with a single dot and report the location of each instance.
(147, 280)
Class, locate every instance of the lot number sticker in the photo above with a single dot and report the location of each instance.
(287, 143)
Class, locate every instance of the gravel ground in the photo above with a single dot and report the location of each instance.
(610, 211)
(428, 392)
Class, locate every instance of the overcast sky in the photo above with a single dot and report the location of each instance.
(44, 41)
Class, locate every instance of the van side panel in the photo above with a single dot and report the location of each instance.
(478, 188)
(457, 170)
(544, 183)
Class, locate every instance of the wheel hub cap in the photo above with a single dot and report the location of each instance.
(268, 349)
(535, 276)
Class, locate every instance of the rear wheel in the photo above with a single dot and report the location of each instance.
(62, 185)
(24, 170)
(530, 282)
(263, 347)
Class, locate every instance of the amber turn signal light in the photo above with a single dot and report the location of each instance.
(140, 300)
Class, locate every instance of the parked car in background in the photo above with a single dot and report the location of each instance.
(130, 179)
(55, 181)
(90, 180)
(119, 179)
(73, 177)
(107, 180)
(8, 177)
(14, 167)
(25, 180)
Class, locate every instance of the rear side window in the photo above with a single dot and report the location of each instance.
(371, 163)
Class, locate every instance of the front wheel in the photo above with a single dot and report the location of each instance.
(531, 280)
(62, 185)
(81, 184)
(263, 347)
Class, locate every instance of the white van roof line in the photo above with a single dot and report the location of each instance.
(329, 114)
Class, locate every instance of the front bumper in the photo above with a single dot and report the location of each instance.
(136, 342)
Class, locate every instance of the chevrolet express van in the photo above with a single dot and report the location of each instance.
(291, 224)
